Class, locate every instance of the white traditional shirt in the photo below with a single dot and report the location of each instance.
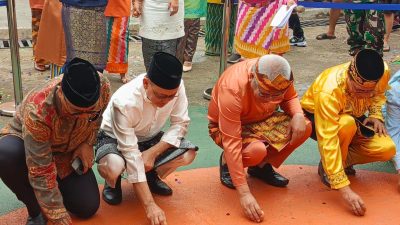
(156, 22)
(393, 115)
(130, 118)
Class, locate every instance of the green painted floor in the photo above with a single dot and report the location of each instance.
(208, 156)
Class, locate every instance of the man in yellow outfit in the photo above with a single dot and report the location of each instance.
(340, 102)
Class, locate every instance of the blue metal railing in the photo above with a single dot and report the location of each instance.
(354, 6)
(3, 3)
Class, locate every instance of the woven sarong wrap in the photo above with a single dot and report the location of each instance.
(108, 145)
(254, 37)
(214, 28)
(85, 34)
(117, 44)
(272, 131)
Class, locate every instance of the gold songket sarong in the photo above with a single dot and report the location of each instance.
(273, 131)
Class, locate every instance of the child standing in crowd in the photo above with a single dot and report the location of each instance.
(194, 10)
(118, 13)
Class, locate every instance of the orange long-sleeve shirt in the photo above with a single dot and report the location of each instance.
(118, 8)
(234, 104)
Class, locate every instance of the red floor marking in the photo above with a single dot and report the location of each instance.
(199, 199)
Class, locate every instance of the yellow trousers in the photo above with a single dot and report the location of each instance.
(357, 149)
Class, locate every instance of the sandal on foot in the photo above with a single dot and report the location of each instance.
(40, 67)
(325, 36)
(386, 48)
(187, 66)
(124, 79)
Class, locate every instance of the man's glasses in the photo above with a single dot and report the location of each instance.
(162, 96)
(266, 95)
(93, 115)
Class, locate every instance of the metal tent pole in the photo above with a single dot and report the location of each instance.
(225, 35)
(8, 109)
(224, 43)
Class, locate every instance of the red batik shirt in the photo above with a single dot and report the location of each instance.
(50, 141)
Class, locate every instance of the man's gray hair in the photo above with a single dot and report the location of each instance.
(273, 65)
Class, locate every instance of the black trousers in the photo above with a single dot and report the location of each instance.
(294, 24)
(80, 192)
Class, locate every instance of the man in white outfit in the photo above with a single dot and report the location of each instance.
(131, 139)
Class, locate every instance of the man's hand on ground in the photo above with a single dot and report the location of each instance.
(353, 200)
(155, 215)
(249, 204)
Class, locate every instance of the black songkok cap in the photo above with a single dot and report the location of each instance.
(165, 71)
(369, 64)
(81, 83)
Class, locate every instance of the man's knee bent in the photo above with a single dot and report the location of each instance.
(187, 158)
(388, 150)
(111, 166)
(12, 152)
(254, 154)
(347, 125)
(86, 210)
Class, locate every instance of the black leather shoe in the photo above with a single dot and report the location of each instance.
(268, 175)
(322, 175)
(38, 220)
(113, 196)
(156, 185)
(350, 171)
(224, 175)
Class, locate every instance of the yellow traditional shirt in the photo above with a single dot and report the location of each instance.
(327, 98)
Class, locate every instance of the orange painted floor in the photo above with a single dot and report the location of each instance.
(199, 199)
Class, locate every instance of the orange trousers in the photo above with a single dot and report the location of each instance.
(258, 152)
